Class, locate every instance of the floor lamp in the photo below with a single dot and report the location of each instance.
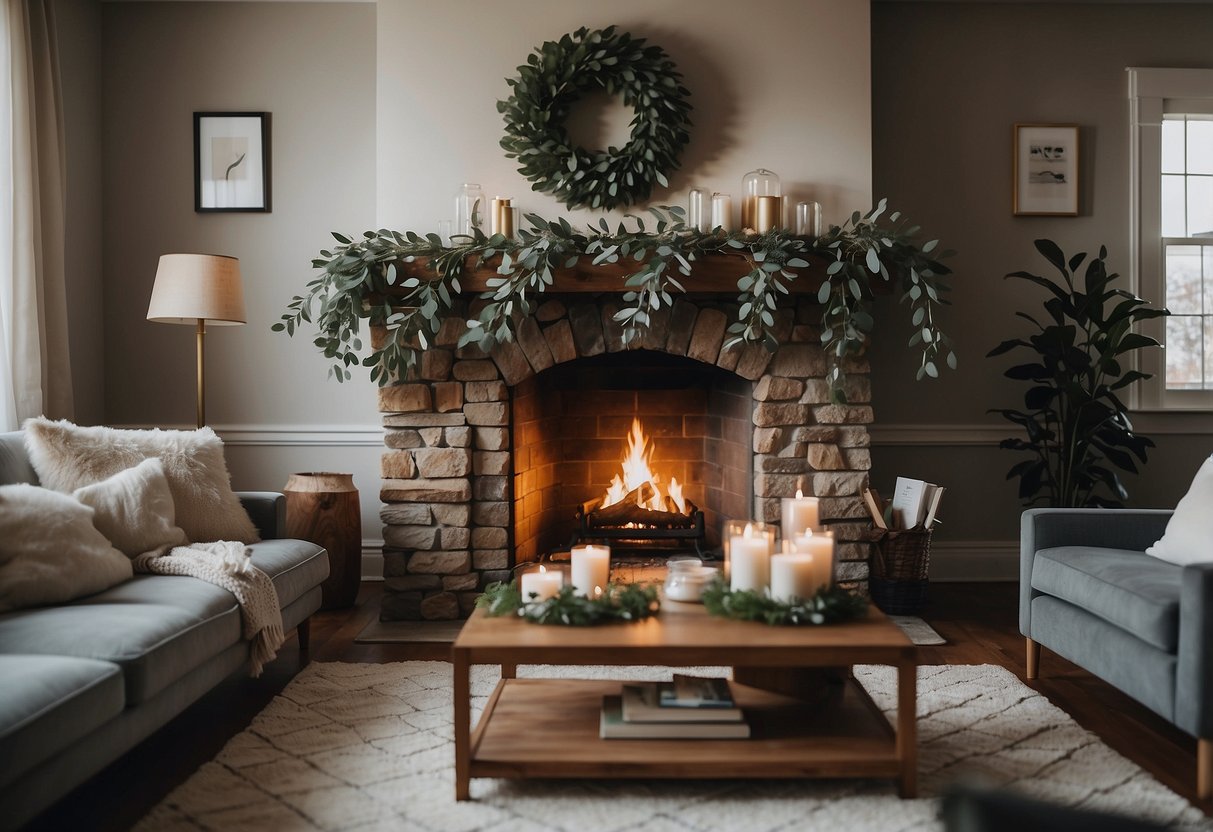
(193, 289)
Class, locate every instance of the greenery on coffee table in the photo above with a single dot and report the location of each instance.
(619, 602)
(1077, 427)
(830, 605)
(866, 255)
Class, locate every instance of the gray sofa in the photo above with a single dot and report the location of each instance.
(1089, 593)
(83, 682)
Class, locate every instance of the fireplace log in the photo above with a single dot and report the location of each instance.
(620, 512)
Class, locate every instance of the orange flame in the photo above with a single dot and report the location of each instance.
(637, 471)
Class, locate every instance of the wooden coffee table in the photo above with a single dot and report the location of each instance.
(549, 727)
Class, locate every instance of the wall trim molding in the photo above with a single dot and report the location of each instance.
(989, 435)
(974, 560)
(294, 436)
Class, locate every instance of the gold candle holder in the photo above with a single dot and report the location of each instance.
(768, 213)
(502, 217)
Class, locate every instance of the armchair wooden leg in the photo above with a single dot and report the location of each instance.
(1033, 668)
(304, 632)
(1204, 768)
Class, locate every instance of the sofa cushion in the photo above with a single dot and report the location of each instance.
(15, 466)
(134, 509)
(47, 703)
(1136, 592)
(294, 565)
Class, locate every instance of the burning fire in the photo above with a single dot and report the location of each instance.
(637, 471)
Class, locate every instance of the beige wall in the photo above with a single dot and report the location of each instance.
(786, 88)
(949, 81)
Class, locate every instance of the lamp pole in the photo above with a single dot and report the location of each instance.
(201, 373)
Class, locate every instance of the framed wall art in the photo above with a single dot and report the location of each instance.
(232, 162)
(1045, 170)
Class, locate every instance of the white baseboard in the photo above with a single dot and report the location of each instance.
(974, 560)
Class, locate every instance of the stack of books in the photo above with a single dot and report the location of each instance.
(689, 707)
(915, 505)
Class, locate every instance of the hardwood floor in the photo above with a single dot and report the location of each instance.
(980, 622)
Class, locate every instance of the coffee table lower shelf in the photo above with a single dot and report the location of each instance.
(549, 728)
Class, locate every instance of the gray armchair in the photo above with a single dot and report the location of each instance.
(1090, 593)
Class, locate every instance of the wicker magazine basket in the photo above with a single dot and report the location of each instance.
(898, 570)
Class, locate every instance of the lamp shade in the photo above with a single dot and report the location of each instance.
(194, 287)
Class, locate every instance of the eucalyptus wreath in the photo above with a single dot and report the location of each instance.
(362, 280)
(554, 76)
(620, 602)
(830, 605)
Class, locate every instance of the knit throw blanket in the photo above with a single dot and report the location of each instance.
(226, 564)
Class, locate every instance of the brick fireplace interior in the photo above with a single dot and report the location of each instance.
(570, 427)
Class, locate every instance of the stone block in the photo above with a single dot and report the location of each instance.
(486, 413)
(780, 485)
(402, 438)
(459, 514)
(768, 440)
(491, 463)
(587, 329)
(491, 514)
(490, 576)
(825, 457)
(771, 414)
(805, 334)
(534, 345)
(858, 459)
(426, 491)
(489, 537)
(405, 514)
(816, 391)
(858, 389)
(467, 602)
(457, 583)
(395, 564)
(769, 464)
(405, 398)
(492, 439)
(435, 463)
(612, 330)
(549, 311)
(769, 509)
(451, 331)
(707, 336)
(440, 562)
(491, 558)
(799, 361)
(486, 391)
(852, 551)
(778, 389)
(411, 583)
(436, 364)
(835, 508)
(658, 330)
(410, 537)
(682, 325)
(448, 396)
(379, 336)
(793, 450)
(838, 484)
(397, 465)
(460, 437)
(753, 361)
(490, 488)
(475, 370)
(816, 433)
(854, 437)
(852, 570)
(843, 414)
(423, 420)
(454, 537)
(400, 606)
(560, 341)
(441, 606)
(511, 361)
(432, 437)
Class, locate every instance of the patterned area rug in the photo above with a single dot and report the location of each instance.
(369, 747)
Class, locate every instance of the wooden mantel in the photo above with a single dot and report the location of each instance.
(710, 274)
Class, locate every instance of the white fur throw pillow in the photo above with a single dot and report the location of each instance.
(67, 457)
(134, 509)
(1189, 534)
(49, 550)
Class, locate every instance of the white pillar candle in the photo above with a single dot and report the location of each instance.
(792, 576)
(591, 567)
(749, 560)
(821, 546)
(799, 515)
(542, 583)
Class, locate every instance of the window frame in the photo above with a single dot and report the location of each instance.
(1150, 90)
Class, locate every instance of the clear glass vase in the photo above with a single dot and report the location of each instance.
(469, 208)
(756, 183)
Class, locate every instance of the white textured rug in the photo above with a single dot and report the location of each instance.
(369, 747)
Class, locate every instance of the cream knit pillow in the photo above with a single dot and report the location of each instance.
(67, 457)
(134, 509)
(49, 550)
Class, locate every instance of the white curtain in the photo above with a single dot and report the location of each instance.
(35, 377)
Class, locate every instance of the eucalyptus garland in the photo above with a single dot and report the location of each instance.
(831, 605)
(360, 281)
(554, 76)
(619, 602)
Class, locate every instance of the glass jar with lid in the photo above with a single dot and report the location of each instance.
(756, 183)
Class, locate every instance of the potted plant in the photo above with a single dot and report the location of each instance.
(1076, 424)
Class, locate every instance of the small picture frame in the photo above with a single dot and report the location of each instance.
(1045, 165)
(232, 162)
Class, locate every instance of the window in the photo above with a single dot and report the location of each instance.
(1171, 232)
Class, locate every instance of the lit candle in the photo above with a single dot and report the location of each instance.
(722, 212)
(591, 568)
(749, 560)
(799, 515)
(792, 577)
(543, 584)
(821, 546)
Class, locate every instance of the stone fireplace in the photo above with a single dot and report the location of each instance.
(488, 456)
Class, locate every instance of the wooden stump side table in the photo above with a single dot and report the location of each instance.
(323, 508)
